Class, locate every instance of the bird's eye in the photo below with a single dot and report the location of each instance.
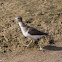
(18, 18)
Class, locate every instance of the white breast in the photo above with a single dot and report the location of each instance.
(25, 33)
(22, 29)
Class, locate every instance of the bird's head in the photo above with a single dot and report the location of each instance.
(19, 19)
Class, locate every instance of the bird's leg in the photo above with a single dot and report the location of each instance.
(41, 48)
(40, 45)
(28, 44)
(36, 41)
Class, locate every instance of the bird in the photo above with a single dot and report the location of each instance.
(29, 31)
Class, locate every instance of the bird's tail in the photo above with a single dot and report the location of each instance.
(46, 34)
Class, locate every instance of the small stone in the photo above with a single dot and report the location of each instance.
(39, 60)
(51, 42)
(5, 46)
(28, 21)
(59, 14)
(12, 20)
(1, 3)
(61, 22)
(4, 51)
(2, 36)
(32, 14)
(0, 60)
(39, 25)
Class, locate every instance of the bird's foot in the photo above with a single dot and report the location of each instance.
(25, 45)
(28, 46)
(41, 49)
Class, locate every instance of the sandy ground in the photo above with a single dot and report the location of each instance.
(51, 54)
(45, 15)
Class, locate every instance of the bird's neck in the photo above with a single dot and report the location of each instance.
(21, 24)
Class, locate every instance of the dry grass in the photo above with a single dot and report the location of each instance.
(44, 15)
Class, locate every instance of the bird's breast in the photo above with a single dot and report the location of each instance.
(25, 33)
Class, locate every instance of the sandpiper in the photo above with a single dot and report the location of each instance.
(29, 32)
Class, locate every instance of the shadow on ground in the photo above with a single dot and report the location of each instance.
(53, 48)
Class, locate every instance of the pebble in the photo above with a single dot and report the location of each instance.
(39, 60)
(1, 3)
(51, 42)
(39, 25)
(28, 21)
(4, 51)
(0, 60)
(12, 20)
(5, 46)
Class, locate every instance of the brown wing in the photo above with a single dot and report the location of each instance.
(34, 31)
